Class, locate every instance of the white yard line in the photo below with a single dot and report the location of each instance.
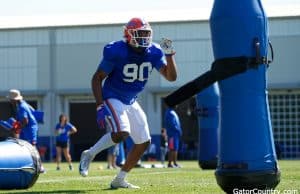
(71, 178)
(79, 178)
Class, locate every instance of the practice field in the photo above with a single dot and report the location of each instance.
(189, 179)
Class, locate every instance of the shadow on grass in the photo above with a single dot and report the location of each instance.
(44, 192)
(109, 189)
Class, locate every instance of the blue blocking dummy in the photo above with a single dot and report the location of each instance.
(208, 108)
(19, 164)
(121, 156)
(247, 158)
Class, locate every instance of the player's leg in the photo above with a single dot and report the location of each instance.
(134, 155)
(175, 159)
(163, 152)
(141, 138)
(110, 157)
(171, 152)
(176, 148)
(114, 161)
(32, 138)
(67, 155)
(58, 157)
(115, 154)
(170, 158)
(118, 128)
(139, 133)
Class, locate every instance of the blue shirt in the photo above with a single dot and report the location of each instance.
(127, 70)
(29, 132)
(63, 132)
(172, 123)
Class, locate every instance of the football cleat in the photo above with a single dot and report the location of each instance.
(42, 170)
(85, 160)
(121, 183)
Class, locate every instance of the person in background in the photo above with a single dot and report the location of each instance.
(163, 145)
(150, 153)
(112, 154)
(63, 130)
(126, 66)
(174, 131)
(25, 125)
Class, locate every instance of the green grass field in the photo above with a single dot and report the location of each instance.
(189, 179)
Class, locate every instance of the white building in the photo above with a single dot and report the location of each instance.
(53, 64)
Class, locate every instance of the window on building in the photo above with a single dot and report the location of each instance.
(285, 116)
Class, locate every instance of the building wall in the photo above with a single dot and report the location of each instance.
(285, 38)
(284, 72)
(53, 64)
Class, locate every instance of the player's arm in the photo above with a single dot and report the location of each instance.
(72, 130)
(169, 71)
(97, 80)
(102, 111)
(17, 126)
(24, 122)
(22, 118)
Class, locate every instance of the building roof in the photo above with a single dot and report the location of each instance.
(11, 22)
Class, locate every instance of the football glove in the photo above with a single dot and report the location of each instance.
(102, 114)
(12, 124)
(167, 47)
(6, 125)
(16, 127)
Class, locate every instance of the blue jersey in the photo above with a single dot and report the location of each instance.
(29, 132)
(63, 132)
(127, 70)
(172, 123)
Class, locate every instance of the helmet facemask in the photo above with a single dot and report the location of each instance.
(140, 37)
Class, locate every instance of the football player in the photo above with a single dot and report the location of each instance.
(126, 67)
(174, 132)
(25, 126)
